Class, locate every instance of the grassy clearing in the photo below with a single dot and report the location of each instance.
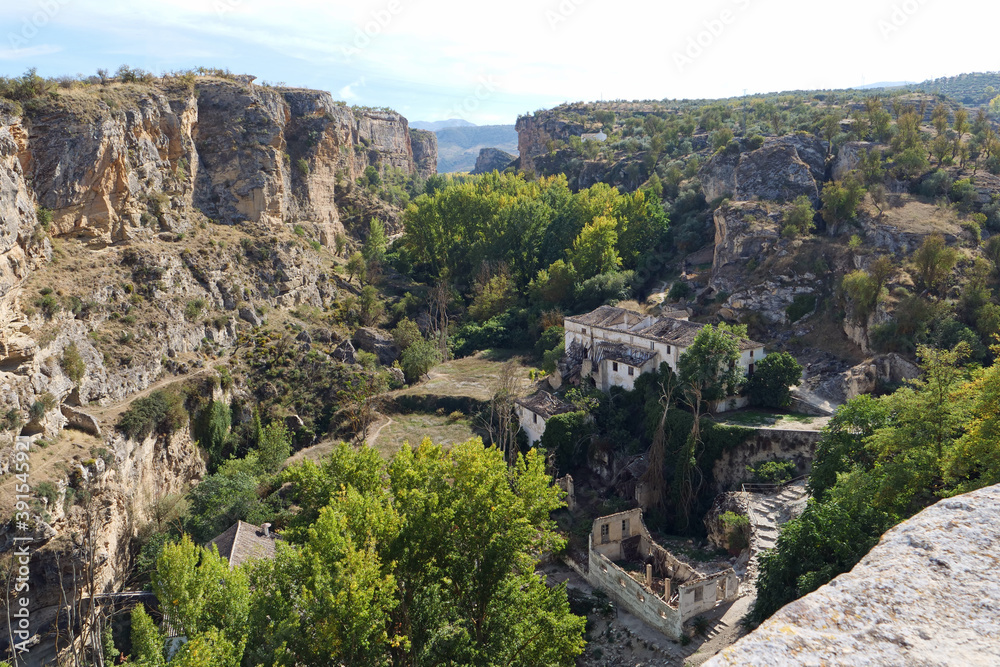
(762, 418)
(413, 428)
(470, 376)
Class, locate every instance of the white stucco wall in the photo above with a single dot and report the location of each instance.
(532, 424)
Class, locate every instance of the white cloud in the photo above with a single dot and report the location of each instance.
(27, 53)
(432, 54)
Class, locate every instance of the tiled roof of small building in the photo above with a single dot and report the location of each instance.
(666, 329)
(243, 542)
(545, 404)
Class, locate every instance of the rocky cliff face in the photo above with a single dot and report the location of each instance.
(780, 170)
(425, 152)
(747, 235)
(492, 159)
(535, 132)
(140, 225)
(240, 153)
(95, 167)
(17, 221)
(925, 595)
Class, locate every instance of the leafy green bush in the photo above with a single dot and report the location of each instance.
(161, 412)
(72, 363)
(193, 309)
(418, 359)
(737, 527)
(772, 377)
(798, 220)
(303, 166)
(772, 472)
(212, 430)
(801, 305)
(680, 291)
(604, 288)
(549, 340)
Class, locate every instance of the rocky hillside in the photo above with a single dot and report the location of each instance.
(924, 595)
(145, 230)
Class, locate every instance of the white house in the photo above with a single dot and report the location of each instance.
(619, 345)
(535, 410)
(594, 136)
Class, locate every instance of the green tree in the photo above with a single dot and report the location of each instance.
(356, 267)
(73, 364)
(377, 241)
(711, 363)
(148, 643)
(418, 359)
(384, 576)
(406, 333)
(200, 593)
(274, 446)
(567, 436)
(595, 249)
(933, 262)
(773, 375)
(370, 305)
(212, 431)
(841, 200)
(554, 285)
(228, 496)
(798, 220)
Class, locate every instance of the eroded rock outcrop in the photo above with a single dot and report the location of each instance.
(534, 133)
(425, 152)
(746, 234)
(492, 159)
(925, 595)
(780, 170)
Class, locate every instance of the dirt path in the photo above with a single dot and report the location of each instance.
(108, 415)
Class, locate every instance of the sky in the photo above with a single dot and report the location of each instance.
(488, 62)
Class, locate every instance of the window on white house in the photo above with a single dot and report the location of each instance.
(631, 371)
(614, 367)
(625, 528)
(699, 594)
(534, 418)
(605, 533)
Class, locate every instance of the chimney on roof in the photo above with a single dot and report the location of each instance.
(266, 527)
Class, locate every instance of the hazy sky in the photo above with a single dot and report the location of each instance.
(488, 62)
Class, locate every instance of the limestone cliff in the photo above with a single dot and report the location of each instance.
(780, 170)
(535, 132)
(492, 159)
(925, 595)
(754, 264)
(425, 152)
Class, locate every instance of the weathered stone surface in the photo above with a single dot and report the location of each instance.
(95, 168)
(425, 152)
(864, 378)
(748, 232)
(717, 534)
(378, 343)
(927, 594)
(781, 169)
(250, 315)
(849, 158)
(535, 132)
(492, 159)
(799, 447)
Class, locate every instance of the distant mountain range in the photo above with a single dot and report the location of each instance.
(460, 141)
(886, 84)
(436, 125)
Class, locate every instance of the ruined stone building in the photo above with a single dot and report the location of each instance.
(665, 592)
(534, 411)
(614, 346)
